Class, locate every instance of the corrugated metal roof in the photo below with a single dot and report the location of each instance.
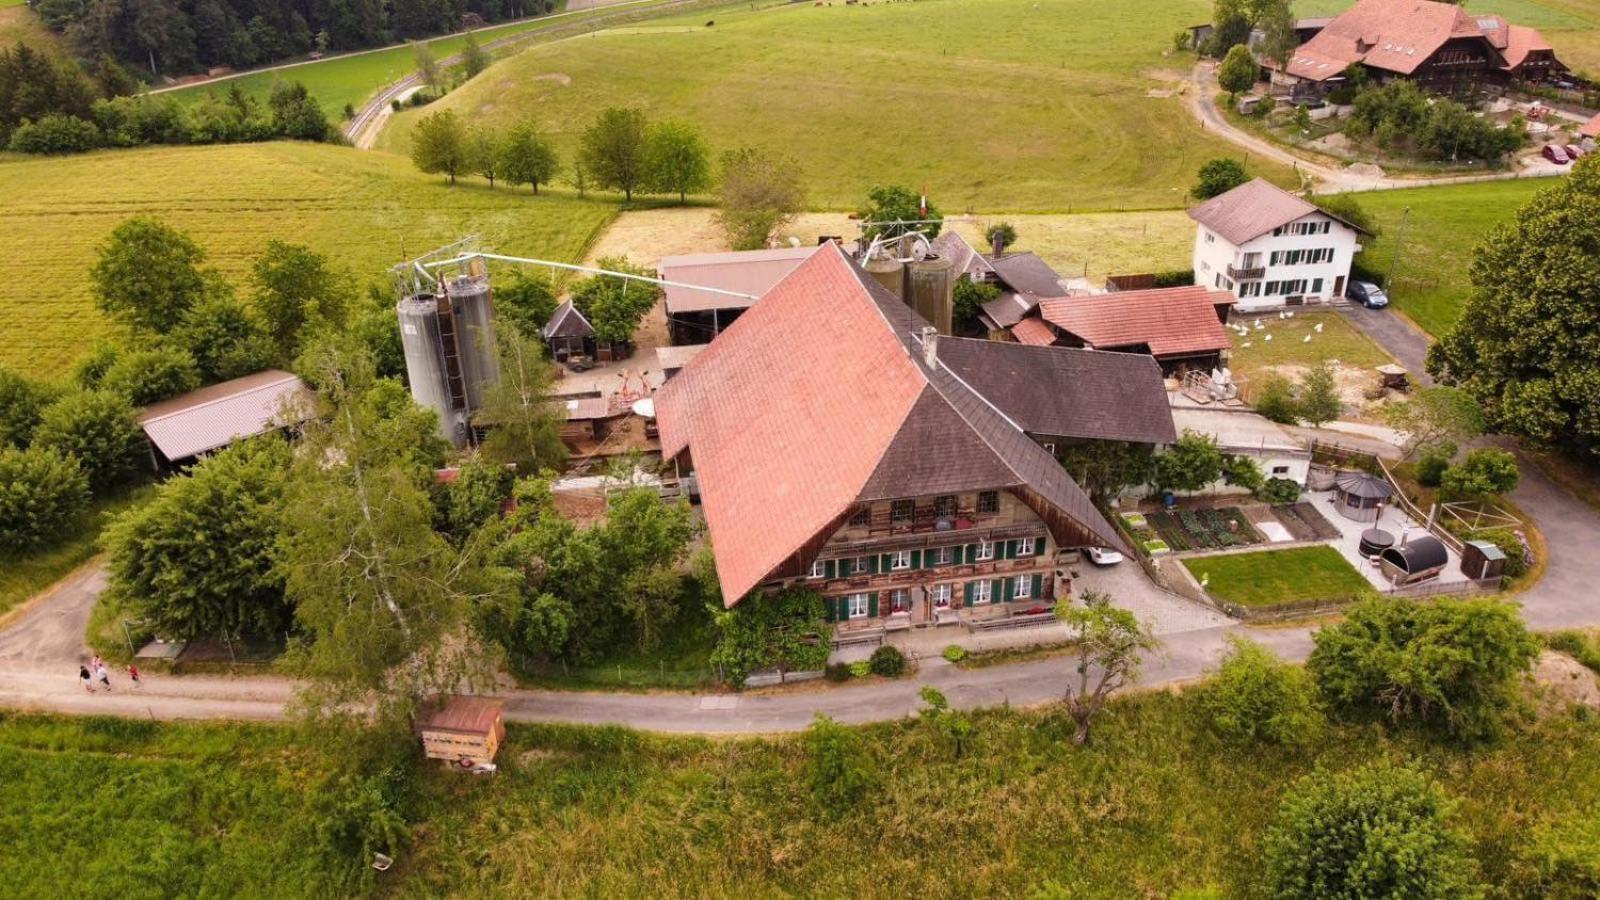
(200, 421)
(744, 271)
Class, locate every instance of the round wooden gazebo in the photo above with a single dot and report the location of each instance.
(1360, 496)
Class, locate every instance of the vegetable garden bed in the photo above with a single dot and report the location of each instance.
(1205, 529)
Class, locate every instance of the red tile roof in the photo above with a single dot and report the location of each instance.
(1170, 321)
(751, 272)
(819, 398)
(1033, 331)
(1400, 35)
(1590, 128)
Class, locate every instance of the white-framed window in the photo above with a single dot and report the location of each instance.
(989, 502)
(940, 593)
(1280, 470)
(937, 556)
(1022, 587)
(1025, 547)
(1050, 448)
(1250, 289)
(818, 570)
(899, 600)
(861, 565)
(944, 506)
(985, 551)
(902, 511)
(900, 559)
(858, 606)
(981, 591)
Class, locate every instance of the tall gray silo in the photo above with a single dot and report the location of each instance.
(472, 305)
(931, 290)
(435, 380)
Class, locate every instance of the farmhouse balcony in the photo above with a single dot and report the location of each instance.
(1251, 274)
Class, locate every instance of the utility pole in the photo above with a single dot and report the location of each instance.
(1399, 244)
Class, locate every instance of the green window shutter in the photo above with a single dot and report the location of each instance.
(972, 553)
(966, 594)
(1011, 549)
(830, 610)
(874, 564)
(916, 559)
(829, 568)
(1001, 590)
(844, 608)
(872, 605)
(1038, 581)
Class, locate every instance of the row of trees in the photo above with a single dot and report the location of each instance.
(34, 85)
(1401, 116)
(130, 121)
(171, 37)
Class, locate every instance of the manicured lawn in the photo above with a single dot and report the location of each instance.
(1445, 226)
(1337, 341)
(364, 209)
(1046, 114)
(1271, 577)
(21, 578)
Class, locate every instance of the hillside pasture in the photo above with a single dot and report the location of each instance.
(367, 211)
(995, 105)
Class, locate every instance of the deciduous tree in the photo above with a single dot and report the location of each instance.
(1110, 644)
(613, 150)
(1106, 468)
(891, 208)
(296, 290)
(148, 274)
(42, 494)
(22, 401)
(677, 159)
(524, 425)
(149, 376)
(1255, 696)
(1218, 176)
(1191, 464)
(1319, 401)
(788, 630)
(526, 157)
(97, 428)
(760, 192)
(1238, 71)
(439, 145)
(198, 559)
(474, 59)
(1434, 418)
(1485, 472)
(615, 306)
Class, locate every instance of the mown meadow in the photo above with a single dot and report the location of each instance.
(992, 104)
(1156, 804)
(366, 211)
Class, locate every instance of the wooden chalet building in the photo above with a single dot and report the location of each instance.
(1440, 46)
(838, 443)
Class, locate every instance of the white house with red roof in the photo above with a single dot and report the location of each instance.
(1271, 248)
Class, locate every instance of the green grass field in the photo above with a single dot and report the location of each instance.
(994, 105)
(1445, 226)
(352, 79)
(1338, 340)
(366, 210)
(1270, 577)
(1155, 805)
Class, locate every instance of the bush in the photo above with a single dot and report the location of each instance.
(1218, 176)
(22, 401)
(887, 661)
(955, 652)
(55, 133)
(1279, 491)
(841, 773)
(150, 376)
(96, 427)
(1484, 473)
(42, 493)
(860, 668)
(1375, 831)
(1276, 400)
(1431, 467)
(1257, 697)
(1451, 663)
(837, 672)
(1561, 861)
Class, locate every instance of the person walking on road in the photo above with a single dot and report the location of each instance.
(83, 676)
(133, 675)
(102, 676)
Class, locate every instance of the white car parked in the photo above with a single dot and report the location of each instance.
(1104, 556)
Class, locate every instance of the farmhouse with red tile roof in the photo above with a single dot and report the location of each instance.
(837, 441)
(1440, 46)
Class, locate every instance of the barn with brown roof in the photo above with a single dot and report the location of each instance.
(1440, 46)
(1181, 327)
(837, 442)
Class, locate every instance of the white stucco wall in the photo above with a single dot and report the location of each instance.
(1213, 254)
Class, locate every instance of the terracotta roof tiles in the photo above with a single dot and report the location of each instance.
(1169, 321)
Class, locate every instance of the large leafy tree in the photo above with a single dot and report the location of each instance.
(384, 602)
(296, 290)
(1318, 400)
(149, 376)
(1191, 464)
(1106, 468)
(98, 429)
(612, 150)
(758, 194)
(788, 630)
(148, 274)
(198, 559)
(297, 114)
(1527, 344)
(890, 209)
(225, 339)
(615, 306)
(1110, 645)
(526, 301)
(1218, 176)
(439, 145)
(1238, 71)
(524, 426)
(1451, 663)
(1376, 831)
(1434, 419)
(677, 159)
(42, 493)
(527, 157)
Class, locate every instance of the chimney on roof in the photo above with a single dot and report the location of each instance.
(930, 346)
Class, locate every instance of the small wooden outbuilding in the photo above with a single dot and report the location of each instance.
(1361, 496)
(1482, 559)
(463, 731)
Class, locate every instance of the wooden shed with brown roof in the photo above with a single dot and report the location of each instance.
(1181, 327)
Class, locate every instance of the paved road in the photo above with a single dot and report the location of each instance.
(1203, 91)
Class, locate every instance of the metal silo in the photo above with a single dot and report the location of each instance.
(932, 290)
(887, 271)
(431, 385)
(472, 306)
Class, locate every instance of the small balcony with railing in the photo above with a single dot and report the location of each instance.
(1247, 273)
